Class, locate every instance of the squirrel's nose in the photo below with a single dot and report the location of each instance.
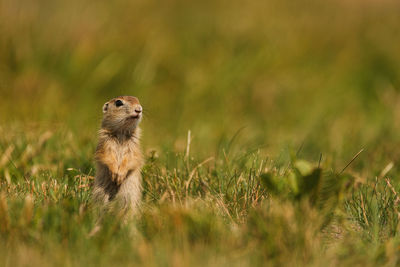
(138, 109)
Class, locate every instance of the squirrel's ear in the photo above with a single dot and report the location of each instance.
(105, 107)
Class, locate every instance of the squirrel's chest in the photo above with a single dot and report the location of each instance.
(121, 152)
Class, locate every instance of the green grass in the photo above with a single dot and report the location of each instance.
(278, 98)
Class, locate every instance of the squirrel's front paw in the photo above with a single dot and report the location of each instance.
(118, 178)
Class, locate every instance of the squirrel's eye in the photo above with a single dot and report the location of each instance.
(119, 103)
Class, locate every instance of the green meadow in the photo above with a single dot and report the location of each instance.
(271, 131)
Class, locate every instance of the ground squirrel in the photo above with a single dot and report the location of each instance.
(118, 155)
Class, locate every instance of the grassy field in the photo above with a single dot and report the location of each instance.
(254, 116)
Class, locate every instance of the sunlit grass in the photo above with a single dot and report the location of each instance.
(215, 211)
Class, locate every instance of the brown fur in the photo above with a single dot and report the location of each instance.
(118, 155)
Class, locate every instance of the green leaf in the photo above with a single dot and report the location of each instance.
(309, 185)
(268, 181)
(303, 167)
(293, 183)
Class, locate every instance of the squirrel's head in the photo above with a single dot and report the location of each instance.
(122, 114)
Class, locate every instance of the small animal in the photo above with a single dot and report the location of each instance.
(118, 155)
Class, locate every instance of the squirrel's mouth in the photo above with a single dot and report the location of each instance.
(133, 117)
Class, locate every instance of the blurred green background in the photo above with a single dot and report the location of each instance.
(255, 82)
(325, 74)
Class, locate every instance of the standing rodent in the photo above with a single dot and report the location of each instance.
(118, 155)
